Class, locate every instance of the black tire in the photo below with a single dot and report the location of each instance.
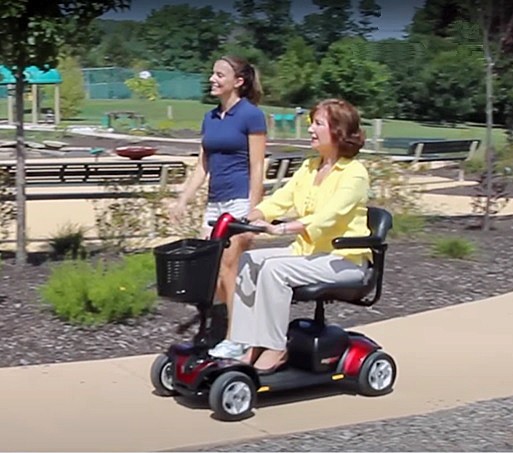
(377, 375)
(232, 396)
(162, 375)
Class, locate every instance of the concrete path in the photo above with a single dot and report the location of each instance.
(442, 204)
(446, 358)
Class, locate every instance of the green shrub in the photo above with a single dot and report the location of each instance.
(453, 247)
(138, 132)
(7, 204)
(130, 223)
(474, 165)
(68, 242)
(165, 126)
(72, 92)
(141, 265)
(408, 224)
(504, 162)
(82, 293)
(391, 186)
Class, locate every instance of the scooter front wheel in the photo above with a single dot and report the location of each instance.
(232, 396)
(377, 375)
(162, 375)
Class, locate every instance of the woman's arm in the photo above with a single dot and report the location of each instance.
(281, 229)
(257, 143)
(191, 186)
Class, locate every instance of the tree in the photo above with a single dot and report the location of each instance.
(367, 9)
(32, 33)
(445, 91)
(293, 83)
(143, 86)
(183, 37)
(109, 43)
(495, 20)
(265, 24)
(275, 28)
(348, 71)
(405, 60)
(72, 88)
(436, 17)
(330, 25)
(247, 12)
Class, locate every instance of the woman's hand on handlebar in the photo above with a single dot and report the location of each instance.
(275, 230)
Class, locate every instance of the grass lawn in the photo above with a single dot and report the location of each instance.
(401, 128)
(188, 115)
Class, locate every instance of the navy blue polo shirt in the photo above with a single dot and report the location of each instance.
(226, 145)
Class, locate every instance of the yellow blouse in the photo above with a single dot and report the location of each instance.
(336, 207)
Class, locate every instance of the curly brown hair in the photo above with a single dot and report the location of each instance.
(344, 123)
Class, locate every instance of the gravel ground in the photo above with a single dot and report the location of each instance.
(483, 426)
(415, 281)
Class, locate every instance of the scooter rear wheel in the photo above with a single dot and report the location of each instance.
(232, 396)
(162, 375)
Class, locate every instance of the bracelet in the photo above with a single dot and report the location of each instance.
(283, 228)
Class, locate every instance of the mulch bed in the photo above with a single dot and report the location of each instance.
(415, 281)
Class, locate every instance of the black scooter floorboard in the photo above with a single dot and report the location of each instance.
(290, 378)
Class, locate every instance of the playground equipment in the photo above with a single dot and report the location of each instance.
(123, 119)
(34, 77)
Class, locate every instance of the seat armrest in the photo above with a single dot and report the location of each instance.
(357, 242)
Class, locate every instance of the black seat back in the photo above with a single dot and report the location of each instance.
(379, 221)
(355, 292)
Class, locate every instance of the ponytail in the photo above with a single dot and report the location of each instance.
(251, 88)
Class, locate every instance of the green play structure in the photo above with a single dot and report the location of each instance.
(34, 77)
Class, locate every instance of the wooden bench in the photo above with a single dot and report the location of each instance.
(439, 151)
(280, 169)
(98, 173)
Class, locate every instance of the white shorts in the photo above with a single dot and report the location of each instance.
(237, 208)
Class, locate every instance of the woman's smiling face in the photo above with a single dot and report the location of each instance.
(320, 132)
(223, 80)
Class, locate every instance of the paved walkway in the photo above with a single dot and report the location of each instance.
(446, 358)
(456, 205)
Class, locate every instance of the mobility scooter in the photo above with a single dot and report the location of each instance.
(318, 353)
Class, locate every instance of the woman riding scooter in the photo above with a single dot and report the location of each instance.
(329, 195)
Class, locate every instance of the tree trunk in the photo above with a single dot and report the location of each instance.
(489, 141)
(21, 252)
(489, 114)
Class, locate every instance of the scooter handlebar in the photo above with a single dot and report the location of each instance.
(241, 226)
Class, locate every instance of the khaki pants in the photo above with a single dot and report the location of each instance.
(261, 305)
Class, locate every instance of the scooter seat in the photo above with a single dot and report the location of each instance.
(351, 289)
(355, 290)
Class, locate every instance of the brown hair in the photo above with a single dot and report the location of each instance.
(344, 123)
(251, 87)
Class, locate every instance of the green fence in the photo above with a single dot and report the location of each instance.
(109, 83)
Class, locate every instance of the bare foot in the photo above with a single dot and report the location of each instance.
(251, 355)
(270, 360)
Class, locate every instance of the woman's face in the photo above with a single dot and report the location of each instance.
(320, 133)
(223, 81)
